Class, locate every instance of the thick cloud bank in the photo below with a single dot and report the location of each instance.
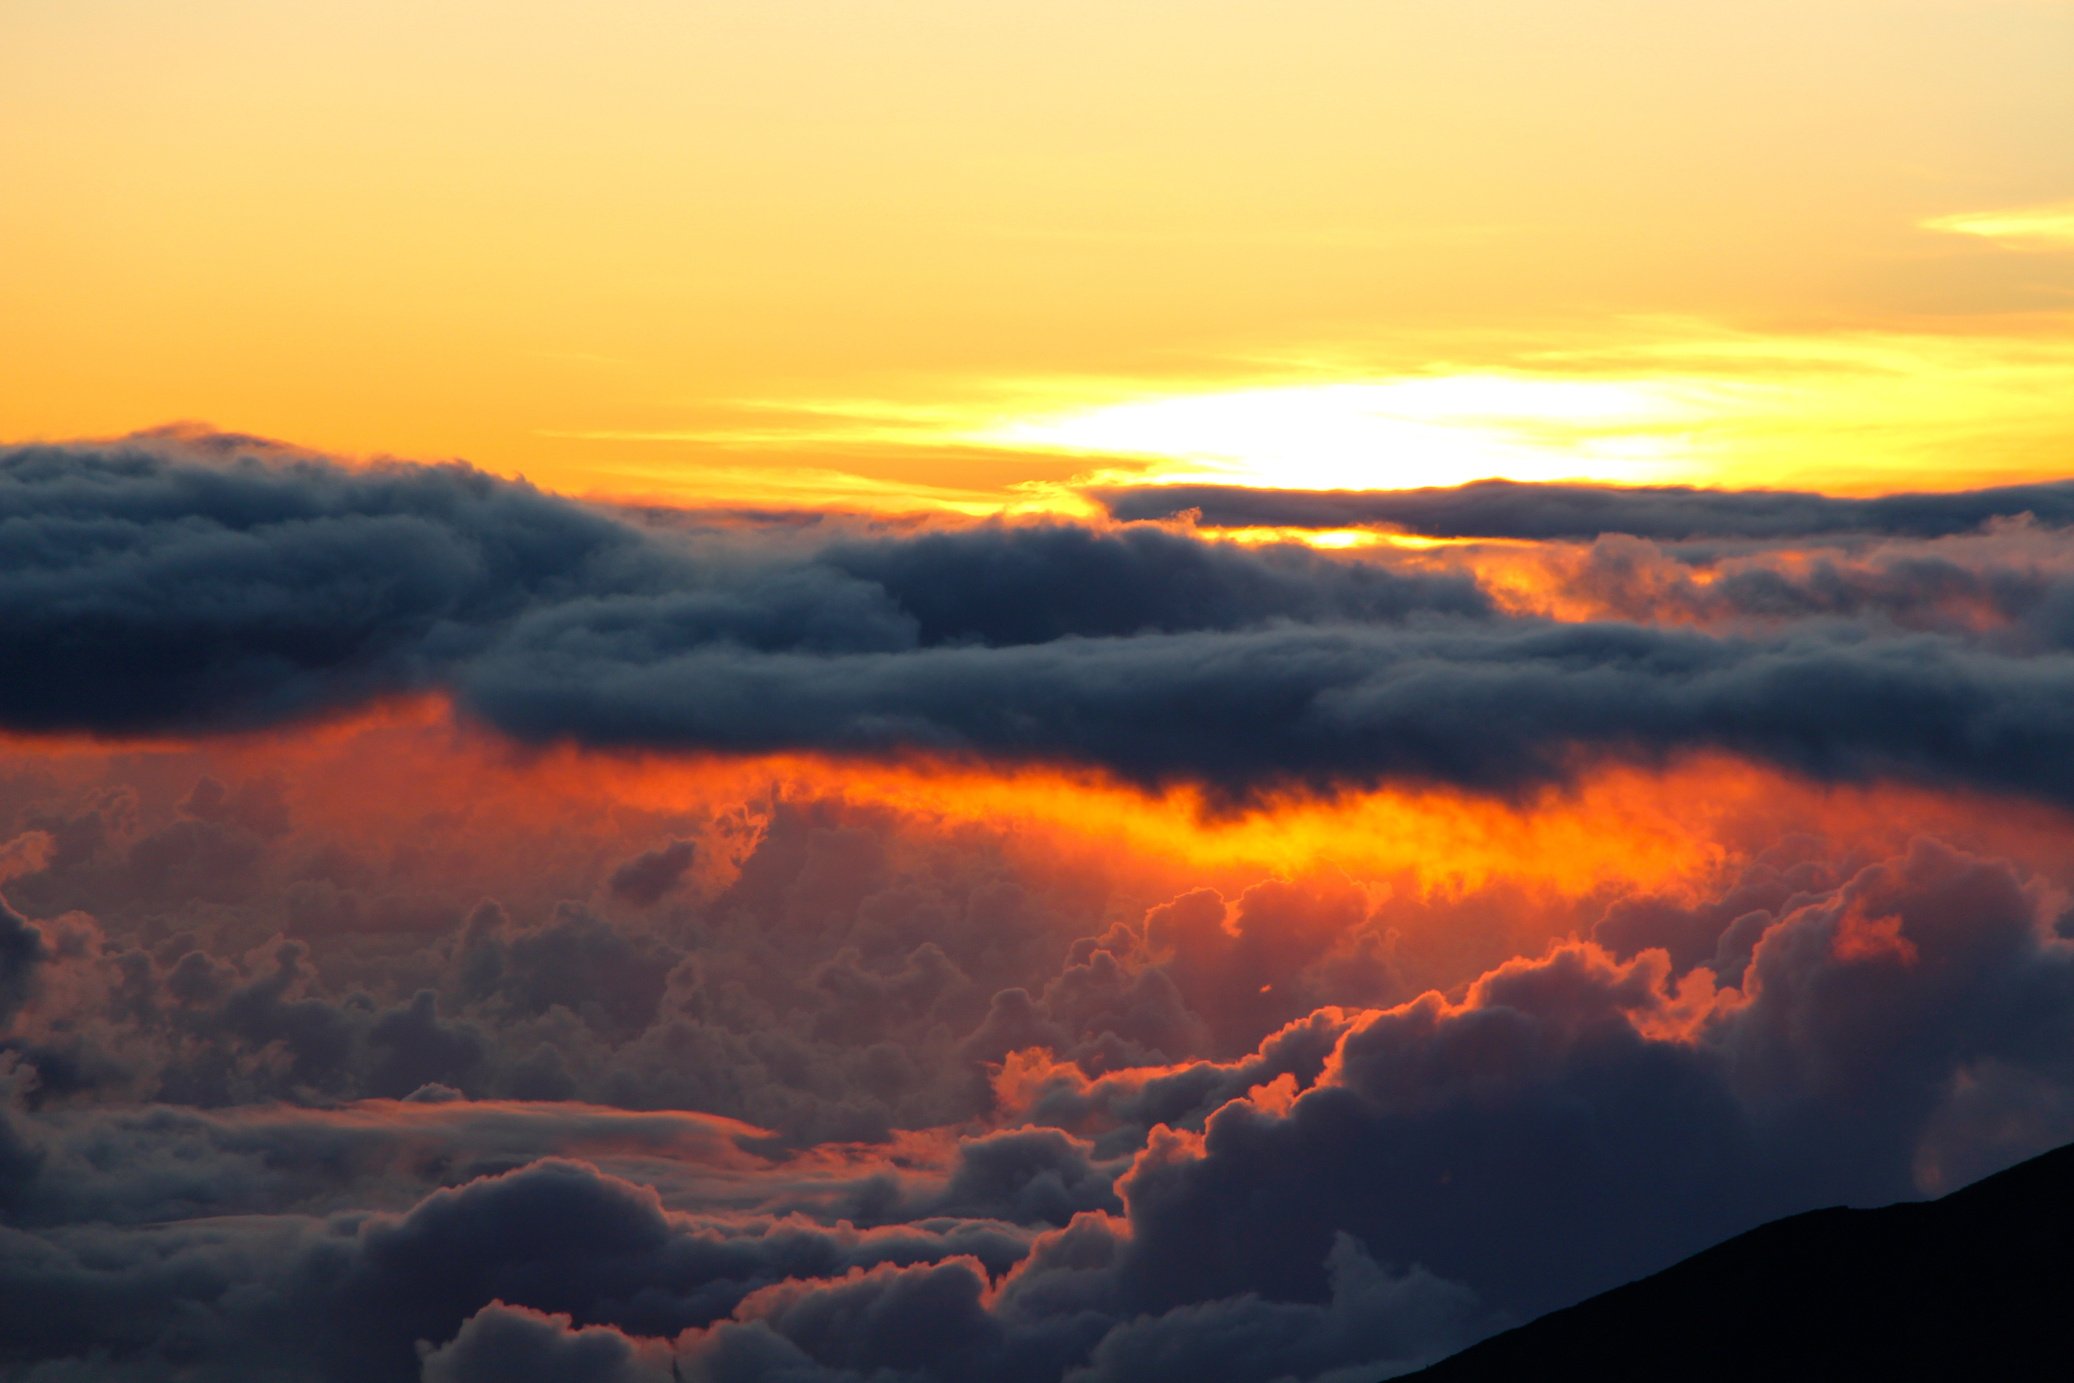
(382, 1052)
(1664, 513)
(973, 1181)
(150, 589)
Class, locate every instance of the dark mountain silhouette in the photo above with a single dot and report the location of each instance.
(1977, 1285)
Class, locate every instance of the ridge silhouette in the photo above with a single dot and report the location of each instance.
(1976, 1285)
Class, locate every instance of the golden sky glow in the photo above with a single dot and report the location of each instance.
(2043, 226)
(959, 252)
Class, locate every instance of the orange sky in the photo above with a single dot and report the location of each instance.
(959, 251)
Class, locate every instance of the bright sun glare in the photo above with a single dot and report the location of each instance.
(1441, 430)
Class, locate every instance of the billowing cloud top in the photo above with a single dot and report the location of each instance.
(388, 1053)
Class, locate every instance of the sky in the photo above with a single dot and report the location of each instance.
(956, 252)
(865, 693)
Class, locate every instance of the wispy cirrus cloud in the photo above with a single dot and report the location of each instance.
(2045, 226)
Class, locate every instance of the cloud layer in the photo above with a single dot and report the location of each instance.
(890, 1103)
(391, 1049)
(1661, 513)
(153, 590)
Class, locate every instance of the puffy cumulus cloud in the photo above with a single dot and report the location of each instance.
(1373, 1324)
(304, 586)
(2007, 585)
(351, 1294)
(561, 1271)
(856, 974)
(1029, 1176)
(933, 1321)
(504, 1344)
(823, 986)
(1875, 1013)
(21, 1146)
(1512, 509)
(646, 877)
(27, 853)
(1276, 952)
(1577, 1118)
(924, 1321)
(1532, 1145)
(1365, 1189)
(23, 954)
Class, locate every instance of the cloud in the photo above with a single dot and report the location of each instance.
(153, 591)
(22, 954)
(344, 1056)
(1574, 1110)
(305, 586)
(1497, 709)
(1364, 1190)
(1010, 586)
(2011, 580)
(1373, 1324)
(646, 877)
(1667, 513)
(2049, 227)
(504, 1344)
(351, 1294)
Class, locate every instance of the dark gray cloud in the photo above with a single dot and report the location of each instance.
(149, 590)
(1364, 1191)
(166, 585)
(22, 954)
(1372, 1324)
(646, 877)
(1669, 513)
(1000, 586)
(1492, 708)
(506, 1344)
(1536, 1138)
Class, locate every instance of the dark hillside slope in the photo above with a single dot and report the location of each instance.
(1977, 1285)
